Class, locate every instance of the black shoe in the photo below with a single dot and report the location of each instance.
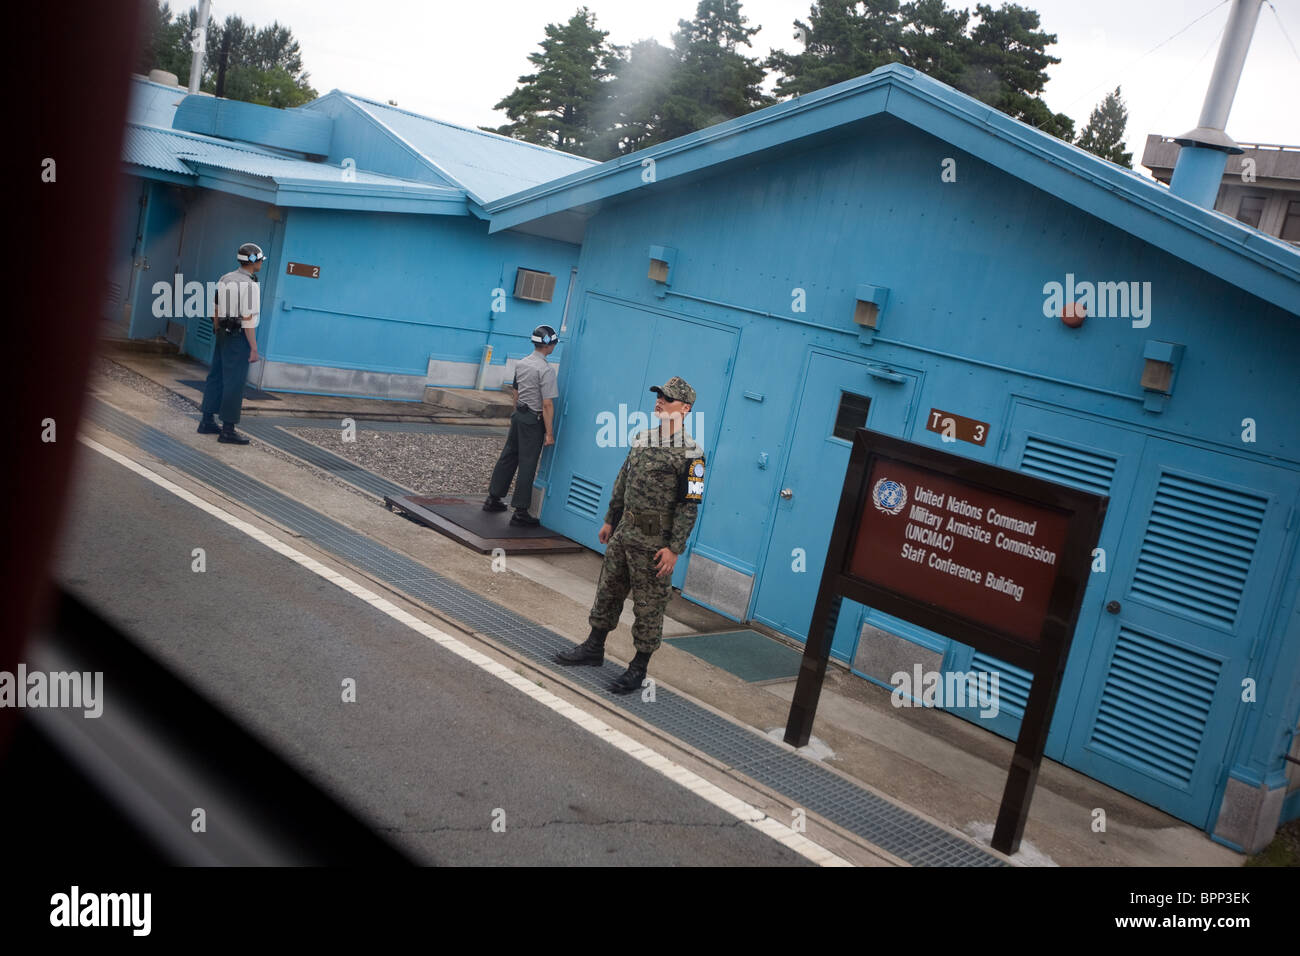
(590, 652)
(630, 680)
(229, 436)
(494, 503)
(209, 427)
(524, 518)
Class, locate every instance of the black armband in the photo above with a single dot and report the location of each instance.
(690, 486)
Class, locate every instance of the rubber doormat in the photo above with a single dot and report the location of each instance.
(751, 656)
(249, 390)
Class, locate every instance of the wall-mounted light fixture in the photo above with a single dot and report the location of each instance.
(1159, 369)
(661, 267)
(868, 310)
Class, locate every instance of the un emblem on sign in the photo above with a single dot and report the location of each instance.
(889, 496)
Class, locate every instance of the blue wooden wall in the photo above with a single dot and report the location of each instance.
(964, 330)
(397, 290)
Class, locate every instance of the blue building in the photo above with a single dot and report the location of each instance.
(396, 284)
(888, 252)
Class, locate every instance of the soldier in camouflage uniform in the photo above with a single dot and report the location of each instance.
(651, 513)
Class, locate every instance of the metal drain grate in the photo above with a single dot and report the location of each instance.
(802, 781)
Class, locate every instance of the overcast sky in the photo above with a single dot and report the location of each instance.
(455, 60)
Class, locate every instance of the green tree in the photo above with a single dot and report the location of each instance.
(161, 41)
(1008, 66)
(557, 105)
(840, 41)
(261, 66)
(632, 117)
(1000, 57)
(712, 80)
(935, 41)
(257, 66)
(1104, 134)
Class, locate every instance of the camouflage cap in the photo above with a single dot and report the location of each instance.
(675, 390)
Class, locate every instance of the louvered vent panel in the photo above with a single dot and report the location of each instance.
(201, 329)
(1197, 550)
(1076, 467)
(1155, 705)
(584, 496)
(1013, 683)
(534, 286)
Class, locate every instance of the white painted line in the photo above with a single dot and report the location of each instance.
(650, 758)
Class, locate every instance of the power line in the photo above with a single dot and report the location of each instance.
(1281, 26)
(1134, 63)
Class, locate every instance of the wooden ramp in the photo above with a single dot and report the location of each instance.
(465, 520)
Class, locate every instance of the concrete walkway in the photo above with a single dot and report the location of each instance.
(936, 765)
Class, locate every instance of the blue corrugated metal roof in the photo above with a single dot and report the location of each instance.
(1238, 254)
(487, 165)
(192, 154)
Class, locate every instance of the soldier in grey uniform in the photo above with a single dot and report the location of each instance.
(234, 322)
(652, 510)
(530, 429)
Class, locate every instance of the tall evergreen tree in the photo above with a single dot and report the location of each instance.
(840, 41)
(1104, 134)
(713, 81)
(557, 105)
(632, 117)
(1008, 64)
(934, 40)
(1000, 59)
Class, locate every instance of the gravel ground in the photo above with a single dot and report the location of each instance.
(111, 370)
(427, 464)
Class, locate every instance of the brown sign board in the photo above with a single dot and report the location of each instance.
(959, 427)
(989, 557)
(303, 269)
(986, 556)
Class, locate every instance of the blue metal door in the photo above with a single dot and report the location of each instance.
(837, 393)
(1075, 451)
(645, 347)
(1192, 545)
(1186, 605)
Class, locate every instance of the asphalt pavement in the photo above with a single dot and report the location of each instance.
(433, 751)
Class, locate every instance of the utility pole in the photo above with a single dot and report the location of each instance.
(199, 44)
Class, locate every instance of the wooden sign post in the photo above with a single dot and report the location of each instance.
(991, 558)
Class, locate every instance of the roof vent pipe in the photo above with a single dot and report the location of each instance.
(1205, 150)
(199, 44)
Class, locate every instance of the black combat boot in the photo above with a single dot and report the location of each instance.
(591, 651)
(208, 426)
(494, 503)
(229, 436)
(522, 517)
(631, 678)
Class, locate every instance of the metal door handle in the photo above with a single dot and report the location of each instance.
(1113, 607)
(787, 493)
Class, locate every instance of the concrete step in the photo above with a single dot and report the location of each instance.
(487, 403)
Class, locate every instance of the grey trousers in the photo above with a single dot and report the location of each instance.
(522, 451)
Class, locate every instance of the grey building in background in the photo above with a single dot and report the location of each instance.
(1261, 186)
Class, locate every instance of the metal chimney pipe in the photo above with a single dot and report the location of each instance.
(1227, 67)
(199, 44)
(1205, 150)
